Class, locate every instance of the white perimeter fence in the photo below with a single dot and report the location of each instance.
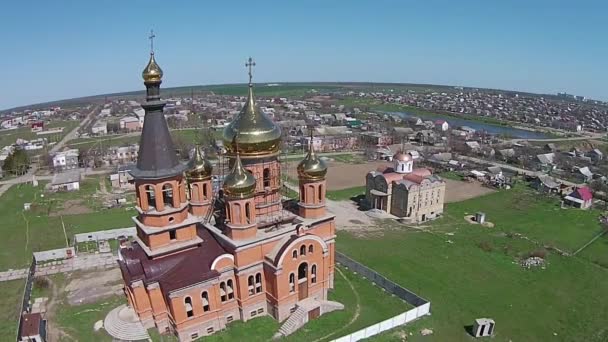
(422, 307)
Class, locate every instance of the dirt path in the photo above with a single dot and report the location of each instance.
(102, 186)
(357, 310)
(54, 332)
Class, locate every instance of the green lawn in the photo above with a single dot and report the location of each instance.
(468, 271)
(523, 210)
(450, 175)
(27, 231)
(349, 158)
(10, 302)
(10, 136)
(345, 194)
(104, 142)
(78, 320)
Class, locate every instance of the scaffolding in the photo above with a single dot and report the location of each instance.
(285, 175)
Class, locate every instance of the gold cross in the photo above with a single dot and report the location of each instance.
(151, 37)
(250, 63)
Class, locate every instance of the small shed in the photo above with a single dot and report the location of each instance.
(483, 327)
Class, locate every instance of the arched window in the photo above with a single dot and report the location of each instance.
(310, 193)
(248, 212)
(266, 177)
(310, 249)
(320, 193)
(250, 287)
(168, 195)
(150, 196)
(292, 282)
(205, 299)
(302, 193)
(205, 197)
(303, 250)
(230, 289)
(223, 294)
(294, 254)
(188, 305)
(302, 271)
(313, 274)
(258, 283)
(228, 214)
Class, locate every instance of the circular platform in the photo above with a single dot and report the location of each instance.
(123, 324)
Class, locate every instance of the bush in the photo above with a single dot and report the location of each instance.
(41, 283)
(485, 246)
(539, 253)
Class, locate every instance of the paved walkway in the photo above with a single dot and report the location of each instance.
(81, 262)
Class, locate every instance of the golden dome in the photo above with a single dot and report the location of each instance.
(239, 183)
(199, 167)
(152, 72)
(404, 157)
(257, 133)
(311, 167)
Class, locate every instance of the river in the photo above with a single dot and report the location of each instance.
(479, 126)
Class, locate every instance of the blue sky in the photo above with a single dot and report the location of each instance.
(62, 49)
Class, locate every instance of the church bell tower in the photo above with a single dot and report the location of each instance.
(164, 223)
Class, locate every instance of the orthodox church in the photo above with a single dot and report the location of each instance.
(204, 258)
(404, 191)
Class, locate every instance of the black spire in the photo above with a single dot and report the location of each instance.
(157, 158)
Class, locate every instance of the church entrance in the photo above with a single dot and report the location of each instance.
(303, 281)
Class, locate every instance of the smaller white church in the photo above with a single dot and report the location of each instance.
(404, 191)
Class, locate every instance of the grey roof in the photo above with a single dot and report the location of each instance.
(473, 144)
(494, 169)
(546, 158)
(585, 171)
(548, 182)
(444, 156)
(127, 167)
(507, 152)
(157, 158)
(66, 177)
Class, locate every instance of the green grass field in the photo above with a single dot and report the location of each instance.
(345, 194)
(27, 231)
(10, 302)
(78, 321)
(10, 136)
(468, 271)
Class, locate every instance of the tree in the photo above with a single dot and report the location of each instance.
(16, 163)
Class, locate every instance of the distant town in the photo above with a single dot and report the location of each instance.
(487, 182)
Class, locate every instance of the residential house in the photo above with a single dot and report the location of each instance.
(66, 160)
(375, 139)
(100, 128)
(546, 184)
(585, 174)
(37, 126)
(506, 154)
(596, 155)
(403, 133)
(66, 181)
(546, 159)
(441, 125)
(580, 198)
(123, 154)
(122, 177)
(130, 123)
(32, 328)
(473, 146)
